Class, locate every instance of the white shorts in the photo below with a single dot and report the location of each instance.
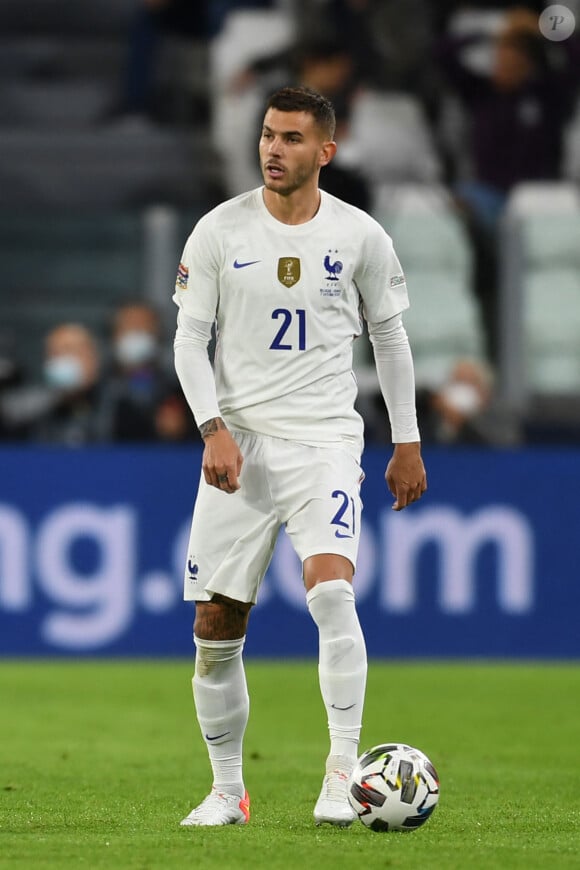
(313, 491)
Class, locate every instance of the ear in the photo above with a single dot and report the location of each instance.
(327, 152)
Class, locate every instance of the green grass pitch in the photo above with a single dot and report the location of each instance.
(100, 760)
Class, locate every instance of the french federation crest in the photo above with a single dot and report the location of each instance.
(288, 271)
(333, 269)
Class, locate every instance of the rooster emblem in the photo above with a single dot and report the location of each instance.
(333, 269)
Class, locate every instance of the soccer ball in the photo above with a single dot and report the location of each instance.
(393, 787)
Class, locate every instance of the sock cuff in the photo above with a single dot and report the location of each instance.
(331, 587)
(219, 650)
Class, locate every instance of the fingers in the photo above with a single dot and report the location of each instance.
(406, 494)
(222, 460)
(227, 480)
(404, 499)
(223, 476)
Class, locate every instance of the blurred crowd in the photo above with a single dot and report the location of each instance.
(89, 394)
(490, 96)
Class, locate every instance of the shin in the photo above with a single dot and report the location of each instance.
(342, 663)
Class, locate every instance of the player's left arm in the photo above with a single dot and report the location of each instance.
(405, 474)
(381, 283)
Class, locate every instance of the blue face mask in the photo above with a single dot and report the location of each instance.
(63, 372)
(135, 347)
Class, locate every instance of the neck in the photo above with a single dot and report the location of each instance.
(296, 208)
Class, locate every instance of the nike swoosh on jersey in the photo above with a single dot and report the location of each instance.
(334, 707)
(217, 736)
(243, 265)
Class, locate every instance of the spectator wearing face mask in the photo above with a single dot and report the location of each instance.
(69, 412)
(142, 402)
(462, 410)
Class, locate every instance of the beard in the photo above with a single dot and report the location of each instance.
(290, 182)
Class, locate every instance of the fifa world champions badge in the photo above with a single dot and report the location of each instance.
(288, 271)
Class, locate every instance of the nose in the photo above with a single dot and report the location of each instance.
(274, 147)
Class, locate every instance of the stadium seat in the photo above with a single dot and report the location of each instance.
(62, 16)
(552, 331)
(63, 268)
(65, 141)
(443, 322)
(544, 198)
(571, 156)
(106, 167)
(540, 296)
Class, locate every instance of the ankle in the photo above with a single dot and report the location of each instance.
(344, 763)
(230, 788)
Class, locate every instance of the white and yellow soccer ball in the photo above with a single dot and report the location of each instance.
(393, 787)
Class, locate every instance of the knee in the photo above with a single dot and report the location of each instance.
(221, 619)
(331, 604)
(326, 566)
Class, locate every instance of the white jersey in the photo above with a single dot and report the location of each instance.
(287, 300)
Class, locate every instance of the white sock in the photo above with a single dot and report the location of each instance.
(342, 665)
(222, 706)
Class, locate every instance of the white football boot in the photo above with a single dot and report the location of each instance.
(219, 809)
(332, 806)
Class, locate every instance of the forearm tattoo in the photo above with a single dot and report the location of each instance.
(210, 427)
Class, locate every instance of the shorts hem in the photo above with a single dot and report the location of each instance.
(320, 551)
(207, 593)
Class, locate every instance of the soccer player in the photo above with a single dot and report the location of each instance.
(285, 271)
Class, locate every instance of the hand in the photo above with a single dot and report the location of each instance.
(405, 475)
(222, 459)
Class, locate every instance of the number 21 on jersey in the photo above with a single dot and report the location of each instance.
(291, 333)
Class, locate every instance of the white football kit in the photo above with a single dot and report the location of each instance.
(287, 301)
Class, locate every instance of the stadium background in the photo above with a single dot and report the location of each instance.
(122, 122)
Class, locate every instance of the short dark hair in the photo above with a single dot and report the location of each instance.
(303, 99)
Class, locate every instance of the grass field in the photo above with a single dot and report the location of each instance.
(100, 761)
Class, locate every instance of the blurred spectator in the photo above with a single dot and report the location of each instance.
(11, 380)
(462, 410)
(517, 115)
(388, 39)
(141, 402)
(174, 421)
(70, 414)
(328, 66)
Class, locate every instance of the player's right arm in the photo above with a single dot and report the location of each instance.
(197, 295)
(222, 459)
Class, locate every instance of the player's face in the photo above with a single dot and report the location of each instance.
(292, 150)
